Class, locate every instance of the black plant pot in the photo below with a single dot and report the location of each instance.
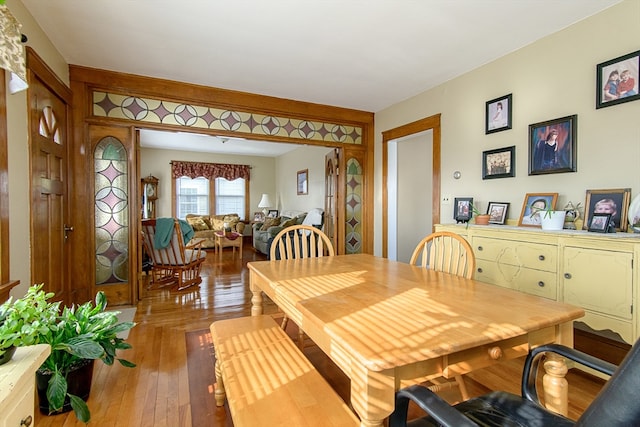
(8, 354)
(78, 384)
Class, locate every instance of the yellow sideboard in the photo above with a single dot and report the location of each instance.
(595, 271)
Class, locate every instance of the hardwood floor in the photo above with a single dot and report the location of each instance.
(156, 392)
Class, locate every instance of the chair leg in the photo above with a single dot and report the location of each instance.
(463, 387)
(285, 321)
(301, 339)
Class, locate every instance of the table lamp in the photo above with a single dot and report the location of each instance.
(265, 203)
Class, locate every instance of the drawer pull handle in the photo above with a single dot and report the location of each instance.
(480, 248)
(541, 257)
(567, 275)
(495, 353)
(26, 421)
(479, 270)
(541, 284)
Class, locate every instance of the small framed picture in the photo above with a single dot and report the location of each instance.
(463, 209)
(600, 223)
(303, 177)
(552, 146)
(499, 163)
(617, 80)
(614, 202)
(497, 212)
(273, 213)
(498, 114)
(534, 206)
(258, 217)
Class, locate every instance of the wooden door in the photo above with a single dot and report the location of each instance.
(49, 214)
(330, 192)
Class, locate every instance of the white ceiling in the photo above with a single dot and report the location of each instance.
(361, 54)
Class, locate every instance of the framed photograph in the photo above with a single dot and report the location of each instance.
(303, 178)
(499, 163)
(273, 213)
(552, 146)
(498, 114)
(614, 202)
(617, 80)
(462, 209)
(599, 223)
(258, 217)
(497, 212)
(534, 206)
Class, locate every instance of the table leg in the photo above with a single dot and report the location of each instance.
(372, 395)
(556, 387)
(256, 298)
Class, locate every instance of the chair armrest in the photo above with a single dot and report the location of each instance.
(429, 402)
(257, 226)
(530, 369)
(196, 245)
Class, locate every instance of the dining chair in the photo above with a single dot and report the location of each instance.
(450, 253)
(172, 262)
(299, 241)
(445, 251)
(616, 405)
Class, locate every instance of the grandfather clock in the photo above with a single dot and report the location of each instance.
(149, 191)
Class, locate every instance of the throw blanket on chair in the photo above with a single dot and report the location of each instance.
(164, 232)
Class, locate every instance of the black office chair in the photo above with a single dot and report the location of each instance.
(615, 406)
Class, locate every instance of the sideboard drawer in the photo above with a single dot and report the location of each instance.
(534, 282)
(529, 255)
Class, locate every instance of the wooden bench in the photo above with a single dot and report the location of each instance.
(267, 381)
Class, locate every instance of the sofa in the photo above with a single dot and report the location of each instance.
(264, 232)
(204, 227)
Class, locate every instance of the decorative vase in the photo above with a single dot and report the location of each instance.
(482, 219)
(78, 383)
(8, 354)
(552, 220)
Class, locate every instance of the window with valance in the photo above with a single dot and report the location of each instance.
(210, 188)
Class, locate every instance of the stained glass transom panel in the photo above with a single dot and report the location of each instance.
(111, 212)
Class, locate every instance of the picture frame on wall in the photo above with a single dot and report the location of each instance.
(463, 209)
(497, 212)
(499, 163)
(552, 146)
(617, 80)
(600, 223)
(534, 206)
(302, 182)
(498, 114)
(608, 201)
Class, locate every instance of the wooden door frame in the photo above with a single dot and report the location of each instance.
(428, 123)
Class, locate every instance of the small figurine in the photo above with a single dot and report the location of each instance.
(571, 215)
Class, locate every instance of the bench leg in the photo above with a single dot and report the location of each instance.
(220, 395)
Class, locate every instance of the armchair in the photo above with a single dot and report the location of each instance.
(615, 405)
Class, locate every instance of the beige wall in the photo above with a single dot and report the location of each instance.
(287, 167)
(156, 162)
(17, 129)
(552, 78)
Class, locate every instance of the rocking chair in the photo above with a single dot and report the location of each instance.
(174, 264)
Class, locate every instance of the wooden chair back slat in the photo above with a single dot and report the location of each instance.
(447, 252)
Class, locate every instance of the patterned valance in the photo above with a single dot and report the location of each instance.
(209, 170)
(11, 50)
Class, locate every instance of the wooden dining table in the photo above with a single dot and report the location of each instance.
(389, 324)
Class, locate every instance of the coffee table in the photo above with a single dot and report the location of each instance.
(225, 240)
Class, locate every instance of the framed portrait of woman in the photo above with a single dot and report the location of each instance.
(552, 146)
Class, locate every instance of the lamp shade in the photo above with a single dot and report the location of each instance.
(265, 201)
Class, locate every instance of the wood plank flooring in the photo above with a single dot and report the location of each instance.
(156, 392)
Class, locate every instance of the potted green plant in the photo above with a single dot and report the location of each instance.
(481, 218)
(550, 219)
(78, 335)
(23, 320)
